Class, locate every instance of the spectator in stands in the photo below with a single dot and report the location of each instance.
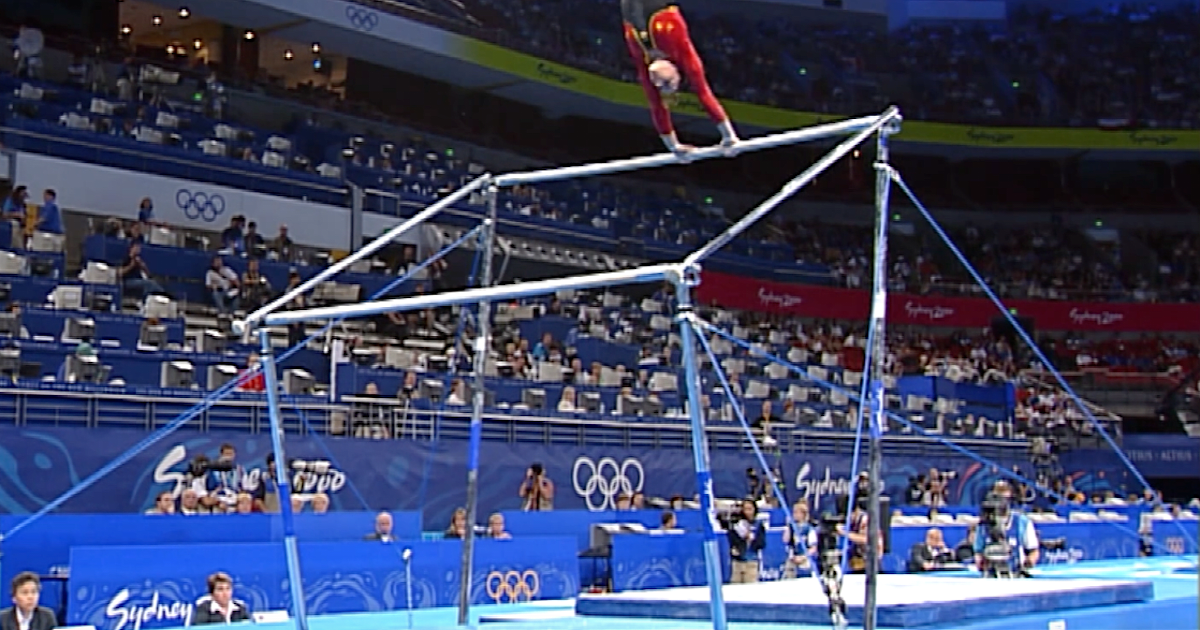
(458, 393)
(251, 379)
(383, 528)
(747, 538)
(222, 284)
(254, 242)
(135, 275)
(297, 504)
(50, 217)
(244, 504)
(408, 389)
(638, 501)
(189, 503)
(667, 521)
(458, 524)
(146, 212)
(541, 351)
(219, 606)
(495, 527)
(536, 491)
(931, 555)
(295, 331)
(283, 246)
(25, 614)
(14, 204)
(232, 238)
(266, 493)
(256, 289)
(164, 503)
(567, 402)
(320, 503)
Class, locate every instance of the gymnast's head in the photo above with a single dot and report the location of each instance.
(665, 76)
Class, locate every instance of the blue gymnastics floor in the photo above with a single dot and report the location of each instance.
(1173, 607)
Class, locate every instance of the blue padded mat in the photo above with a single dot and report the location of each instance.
(905, 601)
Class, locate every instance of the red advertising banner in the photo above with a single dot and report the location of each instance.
(932, 310)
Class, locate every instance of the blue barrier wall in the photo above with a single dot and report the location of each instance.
(1170, 456)
(48, 543)
(145, 587)
(42, 463)
(1176, 537)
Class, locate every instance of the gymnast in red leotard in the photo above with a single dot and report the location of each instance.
(657, 37)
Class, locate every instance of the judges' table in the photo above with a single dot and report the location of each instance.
(46, 544)
(143, 587)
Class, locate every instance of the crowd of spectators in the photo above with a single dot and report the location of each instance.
(1121, 66)
(1038, 262)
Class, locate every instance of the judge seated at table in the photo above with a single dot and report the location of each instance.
(25, 613)
(219, 606)
(931, 555)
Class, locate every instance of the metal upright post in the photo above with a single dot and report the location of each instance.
(883, 180)
(483, 335)
(282, 483)
(704, 485)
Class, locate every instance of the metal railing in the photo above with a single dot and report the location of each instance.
(394, 419)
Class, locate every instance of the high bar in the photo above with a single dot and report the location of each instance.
(807, 134)
(793, 186)
(370, 248)
(640, 275)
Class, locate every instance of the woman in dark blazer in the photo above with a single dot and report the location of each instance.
(25, 613)
(219, 606)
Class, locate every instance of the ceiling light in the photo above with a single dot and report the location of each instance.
(184, 13)
(156, 20)
(287, 54)
(126, 29)
(316, 48)
(170, 49)
(249, 35)
(197, 44)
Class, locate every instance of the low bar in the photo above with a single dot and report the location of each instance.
(792, 187)
(807, 134)
(641, 275)
(254, 318)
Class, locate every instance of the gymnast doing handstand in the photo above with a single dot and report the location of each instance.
(657, 37)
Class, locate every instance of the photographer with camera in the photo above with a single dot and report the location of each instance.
(537, 491)
(747, 538)
(217, 482)
(1006, 543)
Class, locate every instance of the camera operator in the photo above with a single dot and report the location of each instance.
(747, 538)
(860, 525)
(218, 482)
(800, 538)
(537, 491)
(1006, 543)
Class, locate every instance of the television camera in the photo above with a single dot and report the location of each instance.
(995, 515)
(829, 548)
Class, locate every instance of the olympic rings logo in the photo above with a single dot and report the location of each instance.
(361, 18)
(1174, 545)
(600, 490)
(506, 587)
(200, 205)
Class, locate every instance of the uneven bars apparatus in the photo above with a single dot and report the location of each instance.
(684, 276)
